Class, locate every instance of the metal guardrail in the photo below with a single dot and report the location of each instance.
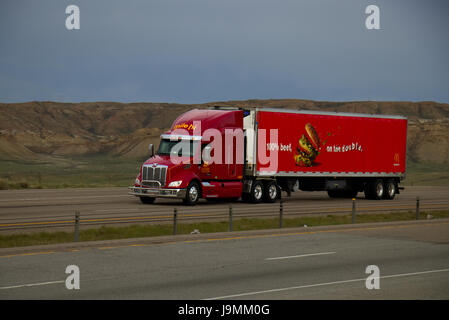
(230, 214)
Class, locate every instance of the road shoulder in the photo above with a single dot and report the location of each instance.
(379, 229)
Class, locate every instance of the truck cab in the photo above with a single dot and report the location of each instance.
(182, 167)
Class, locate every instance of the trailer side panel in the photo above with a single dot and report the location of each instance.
(349, 145)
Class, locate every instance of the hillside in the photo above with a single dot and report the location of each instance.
(42, 130)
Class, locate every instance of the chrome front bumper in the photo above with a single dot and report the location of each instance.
(157, 192)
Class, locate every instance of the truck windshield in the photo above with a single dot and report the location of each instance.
(180, 148)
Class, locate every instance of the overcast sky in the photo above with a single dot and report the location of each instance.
(193, 51)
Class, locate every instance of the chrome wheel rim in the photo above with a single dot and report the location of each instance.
(379, 189)
(193, 193)
(258, 192)
(272, 191)
(391, 190)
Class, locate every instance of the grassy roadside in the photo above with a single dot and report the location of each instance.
(137, 231)
(426, 174)
(75, 172)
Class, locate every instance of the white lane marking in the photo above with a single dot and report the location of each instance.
(32, 284)
(301, 255)
(324, 284)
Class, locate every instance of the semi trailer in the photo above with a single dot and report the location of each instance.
(254, 154)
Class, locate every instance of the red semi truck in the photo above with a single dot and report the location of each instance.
(255, 154)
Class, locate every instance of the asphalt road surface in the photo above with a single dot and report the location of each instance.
(103, 205)
(313, 263)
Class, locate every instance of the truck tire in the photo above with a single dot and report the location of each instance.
(375, 190)
(271, 193)
(257, 192)
(147, 200)
(193, 192)
(390, 190)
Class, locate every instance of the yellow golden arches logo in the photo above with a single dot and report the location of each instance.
(396, 157)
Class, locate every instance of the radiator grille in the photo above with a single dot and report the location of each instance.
(151, 174)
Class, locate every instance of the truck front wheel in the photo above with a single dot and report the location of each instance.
(192, 193)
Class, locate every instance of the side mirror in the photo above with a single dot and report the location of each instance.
(151, 147)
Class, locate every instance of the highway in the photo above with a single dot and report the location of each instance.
(301, 263)
(111, 205)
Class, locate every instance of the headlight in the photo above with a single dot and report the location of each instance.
(175, 183)
(137, 182)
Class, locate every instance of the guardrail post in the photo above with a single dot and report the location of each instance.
(353, 210)
(417, 208)
(175, 221)
(77, 226)
(281, 213)
(230, 217)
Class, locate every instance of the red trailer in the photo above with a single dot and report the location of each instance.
(254, 154)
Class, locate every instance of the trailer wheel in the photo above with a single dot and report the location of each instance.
(192, 194)
(257, 192)
(271, 192)
(147, 200)
(390, 190)
(375, 190)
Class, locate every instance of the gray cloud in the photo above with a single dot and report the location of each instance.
(203, 50)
